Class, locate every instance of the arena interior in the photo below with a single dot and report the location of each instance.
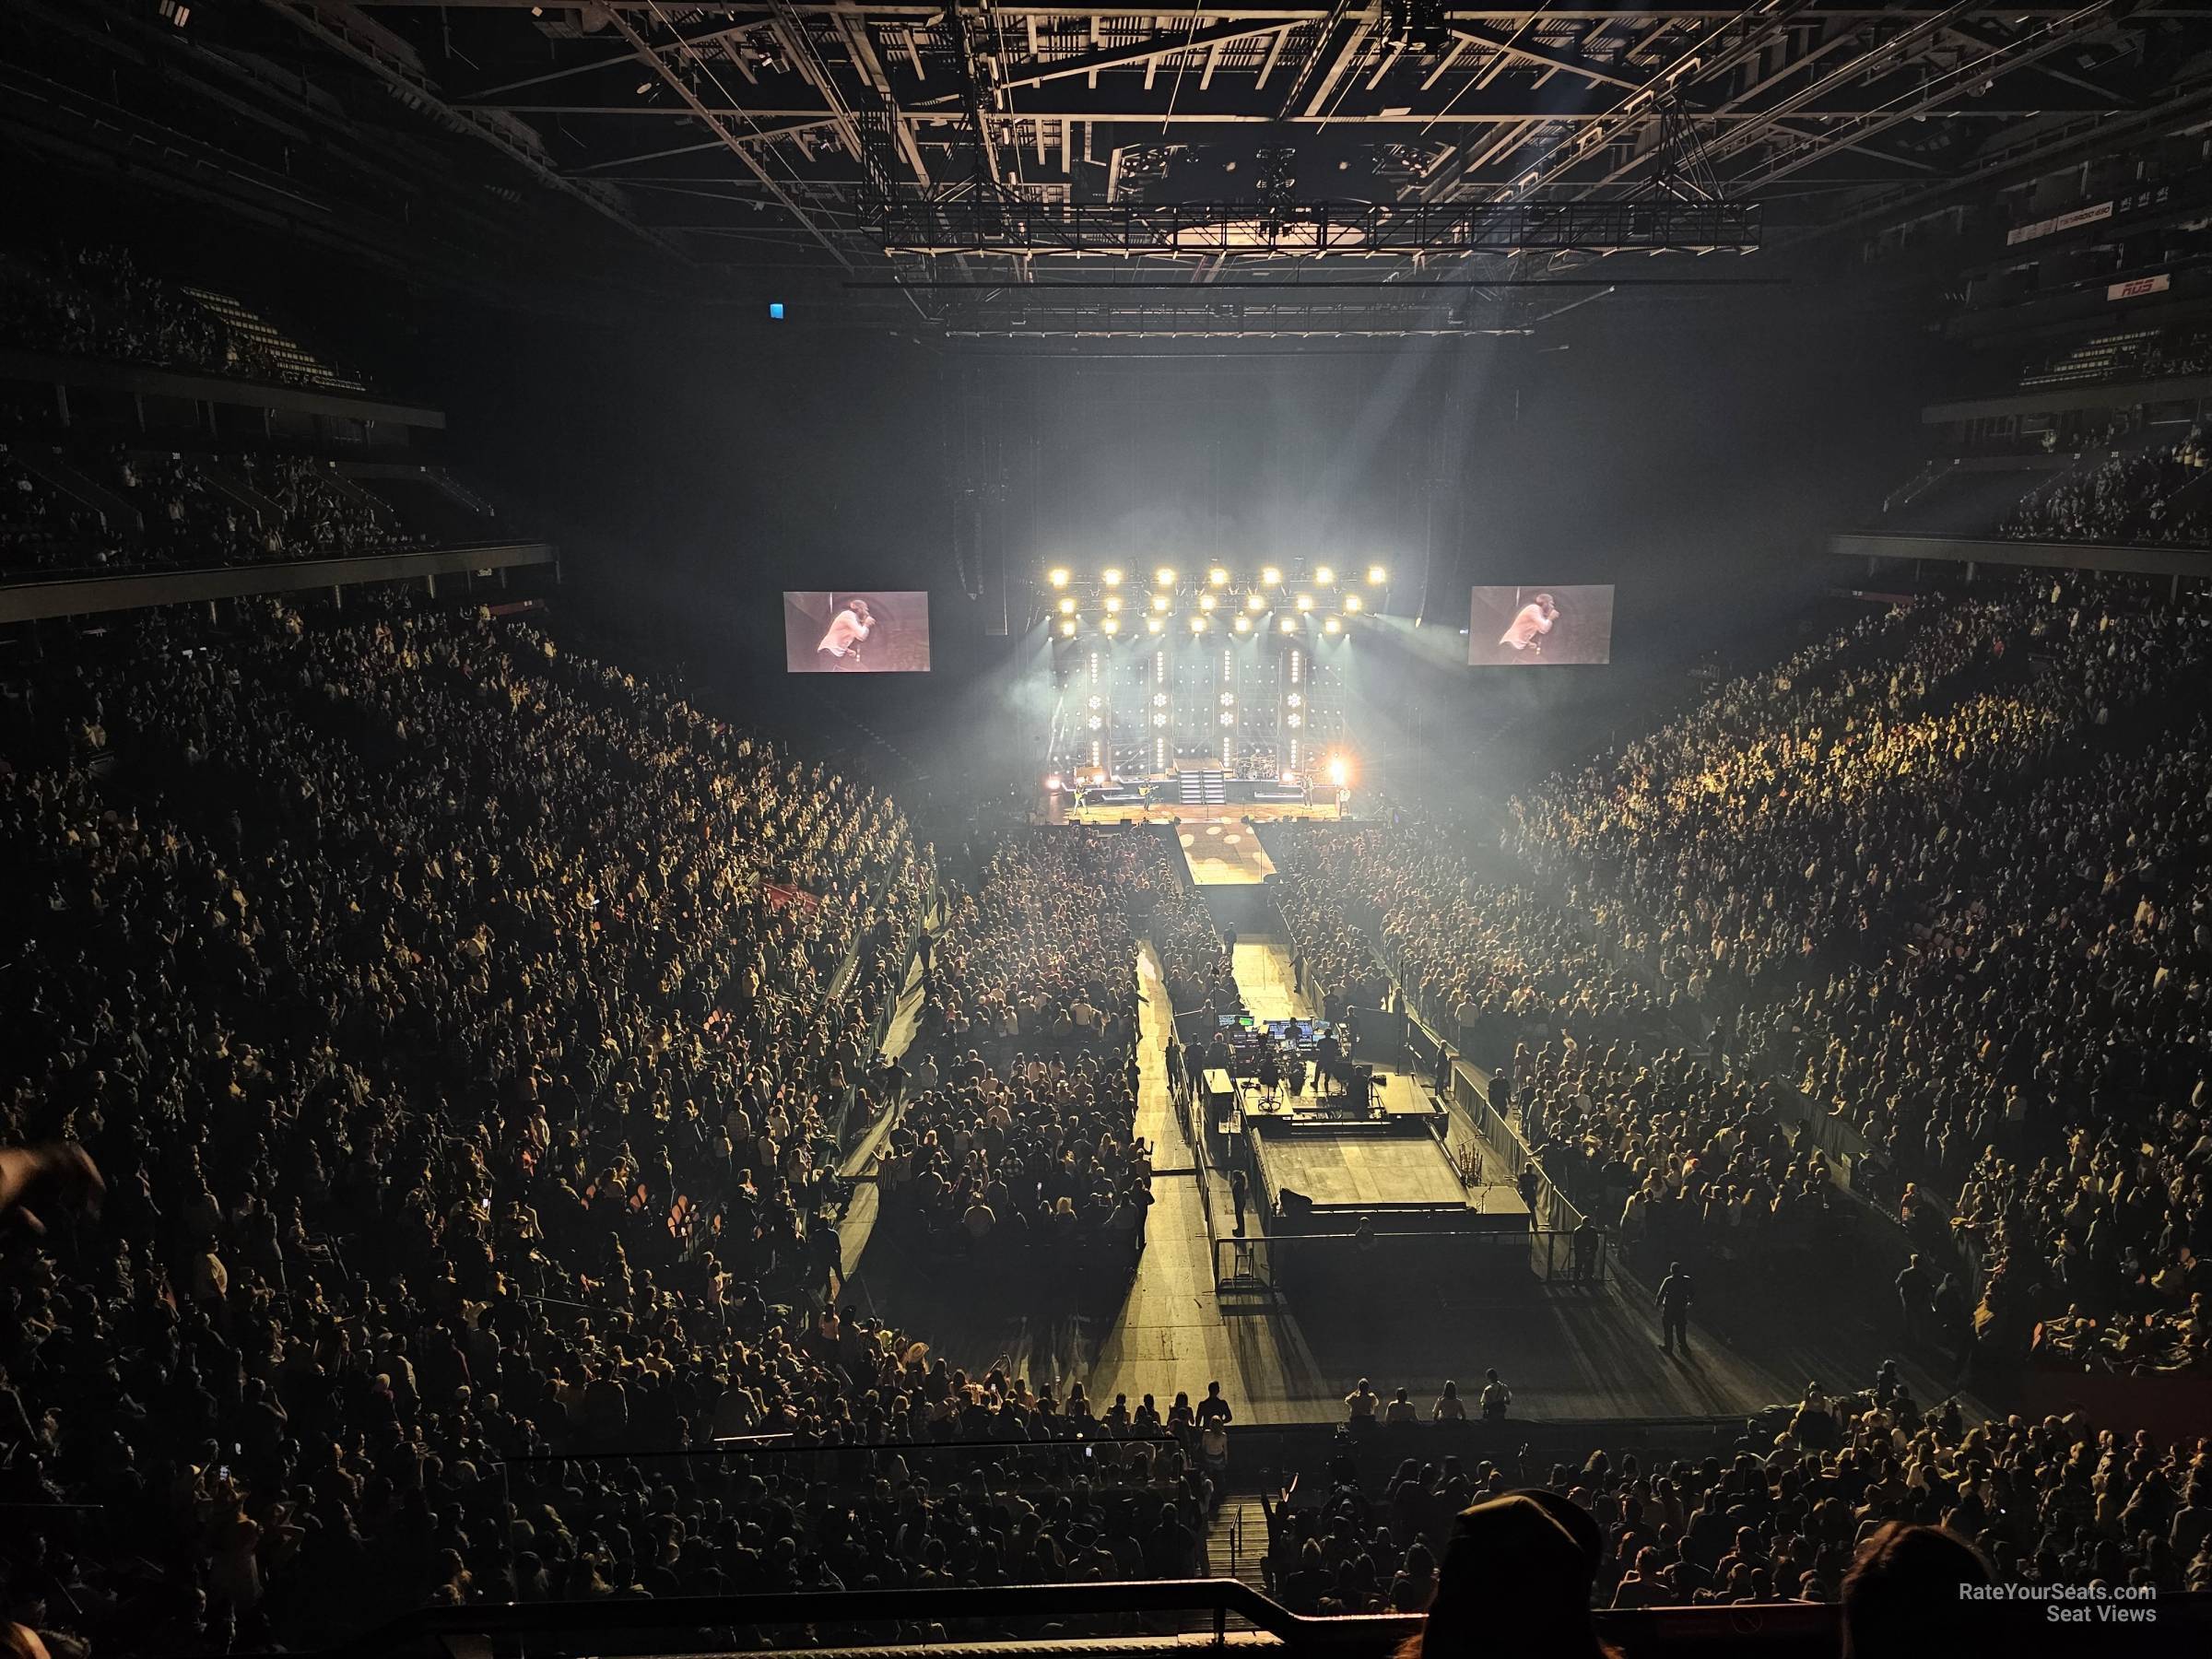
(1479, 924)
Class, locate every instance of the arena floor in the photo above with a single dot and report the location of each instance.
(1569, 1352)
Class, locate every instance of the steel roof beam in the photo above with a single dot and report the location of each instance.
(715, 125)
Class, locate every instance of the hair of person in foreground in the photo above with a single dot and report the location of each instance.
(1515, 1580)
(1902, 1597)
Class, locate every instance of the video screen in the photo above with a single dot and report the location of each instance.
(856, 633)
(1535, 626)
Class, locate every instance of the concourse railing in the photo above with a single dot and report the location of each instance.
(818, 1619)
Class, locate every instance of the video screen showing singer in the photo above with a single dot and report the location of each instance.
(880, 631)
(840, 650)
(1527, 631)
(1538, 627)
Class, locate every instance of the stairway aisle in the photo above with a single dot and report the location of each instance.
(1236, 1543)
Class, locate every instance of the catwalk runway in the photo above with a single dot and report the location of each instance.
(1225, 854)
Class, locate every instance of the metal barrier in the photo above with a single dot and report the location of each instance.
(1510, 1260)
(698, 1624)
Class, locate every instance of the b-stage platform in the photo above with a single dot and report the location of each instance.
(1389, 1173)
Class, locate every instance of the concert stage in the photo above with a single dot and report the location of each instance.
(1390, 1173)
(1170, 812)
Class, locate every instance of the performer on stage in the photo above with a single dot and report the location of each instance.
(840, 650)
(1528, 628)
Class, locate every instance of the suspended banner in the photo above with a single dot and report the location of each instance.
(2064, 222)
(2140, 287)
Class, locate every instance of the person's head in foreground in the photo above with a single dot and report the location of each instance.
(1515, 1580)
(1902, 1597)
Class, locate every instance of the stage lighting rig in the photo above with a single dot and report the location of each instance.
(1058, 577)
(1271, 576)
(1376, 575)
(1164, 577)
(1255, 602)
(1216, 577)
(1323, 576)
(1353, 604)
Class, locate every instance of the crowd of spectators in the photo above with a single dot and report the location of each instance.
(465, 1030)
(1794, 810)
(2126, 497)
(456, 1023)
(1017, 1149)
(38, 529)
(2010, 1018)
(1683, 1159)
(2046, 1502)
(100, 302)
(290, 507)
(1488, 964)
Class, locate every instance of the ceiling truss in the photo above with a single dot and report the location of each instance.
(867, 139)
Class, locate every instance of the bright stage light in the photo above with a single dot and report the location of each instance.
(1114, 602)
(1152, 624)
(1053, 782)
(1164, 576)
(1289, 624)
(1244, 624)
(1067, 606)
(1113, 624)
(1197, 624)
(1352, 603)
(1227, 697)
(1255, 602)
(1271, 576)
(1161, 602)
(1216, 577)
(1206, 601)
(1339, 773)
(1289, 777)
(1067, 629)
(1376, 575)
(1305, 602)
(1331, 626)
(1110, 576)
(1323, 575)
(1057, 577)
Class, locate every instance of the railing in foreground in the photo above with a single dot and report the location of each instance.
(706, 1624)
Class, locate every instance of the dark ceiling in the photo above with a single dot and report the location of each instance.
(922, 160)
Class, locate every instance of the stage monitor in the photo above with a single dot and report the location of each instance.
(1536, 627)
(856, 633)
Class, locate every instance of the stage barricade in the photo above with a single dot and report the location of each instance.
(1330, 1269)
